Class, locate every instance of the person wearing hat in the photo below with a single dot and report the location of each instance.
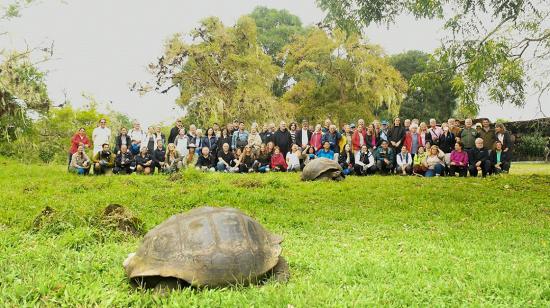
(191, 147)
(384, 131)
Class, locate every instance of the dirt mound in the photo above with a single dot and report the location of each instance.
(118, 217)
(43, 218)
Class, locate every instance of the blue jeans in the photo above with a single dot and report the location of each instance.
(438, 169)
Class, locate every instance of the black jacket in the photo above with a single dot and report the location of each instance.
(283, 140)
(141, 161)
(506, 141)
(446, 143)
(173, 134)
(159, 155)
(124, 159)
(344, 156)
(477, 155)
(299, 137)
(228, 158)
(504, 157)
(396, 134)
(118, 142)
(205, 161)
(267, 137)
(223, 140)
(211, 143)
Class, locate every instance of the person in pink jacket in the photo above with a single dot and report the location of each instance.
(459, 160)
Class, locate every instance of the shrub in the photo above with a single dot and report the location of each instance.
(532, 145)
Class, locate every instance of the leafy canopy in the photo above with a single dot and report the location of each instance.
(340, 76)
(493, 46)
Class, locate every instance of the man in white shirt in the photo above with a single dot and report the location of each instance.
(136, 135)
(101, 135)
(303, 137)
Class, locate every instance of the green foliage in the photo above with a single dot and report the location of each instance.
(48, 138)
(22, 92)
(224, 74)
(340, 77)
(429, 244)
(276, 29)
(429, 95)
(532, 145)
(493, 47)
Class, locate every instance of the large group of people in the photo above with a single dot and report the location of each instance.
(410, 147)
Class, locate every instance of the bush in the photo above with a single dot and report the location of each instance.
(532, 145)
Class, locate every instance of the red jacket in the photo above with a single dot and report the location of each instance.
(355, 139)
(408, 141)
(77, 140)
(315, 140)
(278, 160)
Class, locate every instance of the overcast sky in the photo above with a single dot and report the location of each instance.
(101, 46)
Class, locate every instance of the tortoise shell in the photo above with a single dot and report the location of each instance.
(206, 247)
(322, 168)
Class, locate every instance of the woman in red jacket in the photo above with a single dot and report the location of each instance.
(278, 162)
(78, 138)
(358, 139)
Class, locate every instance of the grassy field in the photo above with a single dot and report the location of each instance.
(376, 241)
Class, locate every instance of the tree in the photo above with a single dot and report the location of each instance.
(427, 97)
(22, 86)
(22, 91)
(340, 77)
(276, 29)
(491, 45)
(223, 75)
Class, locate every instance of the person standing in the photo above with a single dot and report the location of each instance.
(435, 131)
(283, 140)
(487, 134)
(316, 138)
(175, 131)
(136, 135)
(240, 138)
(78, 139)
(397, 134)
(332, 136)
(304, 135)
(122, 139)
(504, 137)
(100, 136)
(468, 135)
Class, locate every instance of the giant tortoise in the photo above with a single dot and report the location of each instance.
(322, 168)
(207, 247)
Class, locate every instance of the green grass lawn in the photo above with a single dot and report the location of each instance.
(375, 241)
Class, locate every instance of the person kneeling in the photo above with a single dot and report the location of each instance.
(346, 159)
(124, 163)
(500, 160)
(418, 162)
(459, 161)
(364, 162)
(278, 162)
(104, 160)
(173, 161)
(80, 162)
(479, 160)
(404, 162)
(144, 162)
(205, 162)
(384, 156)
